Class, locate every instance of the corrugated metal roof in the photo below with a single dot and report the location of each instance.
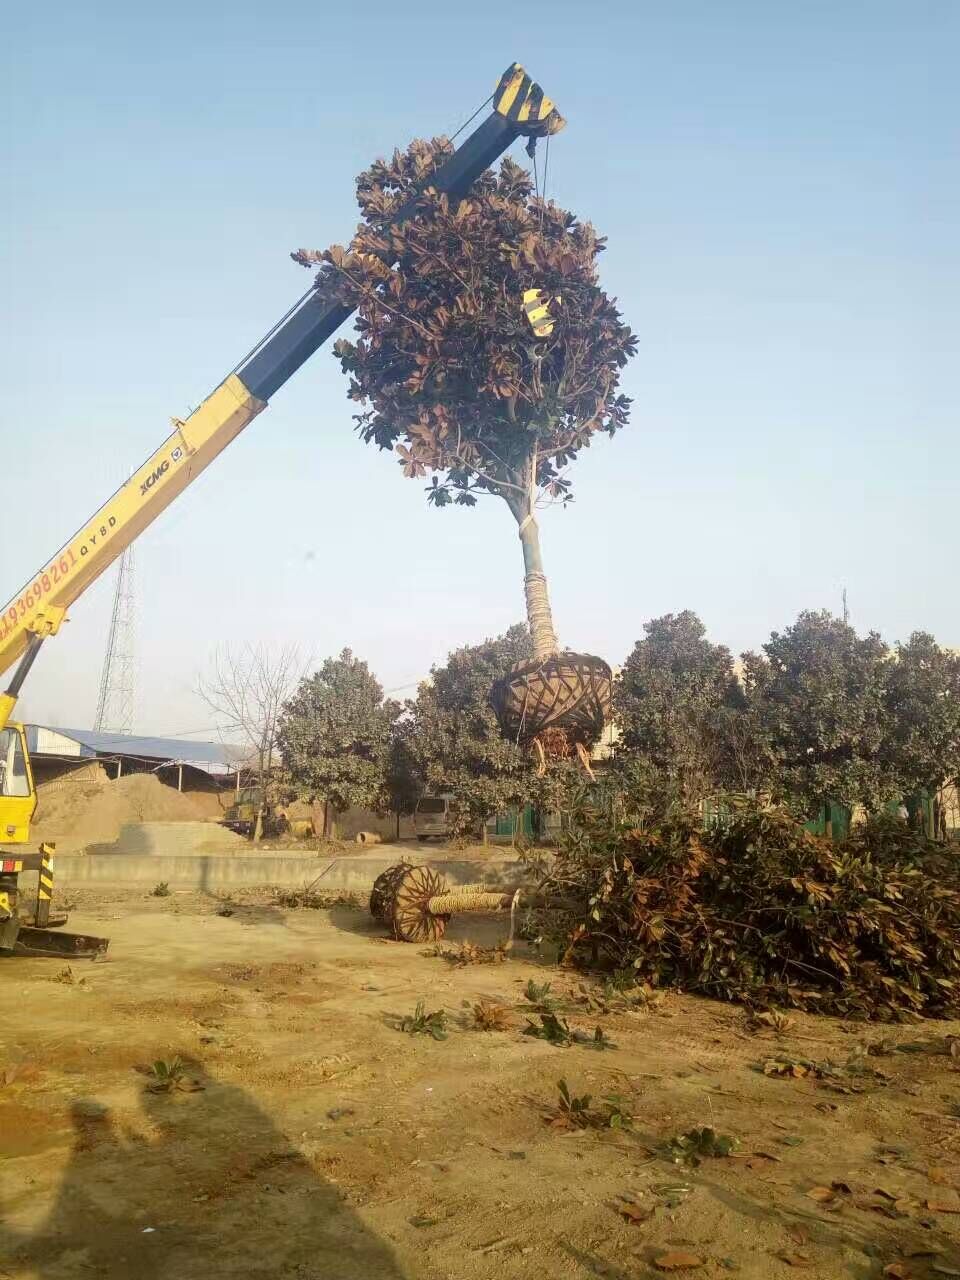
(214, 757)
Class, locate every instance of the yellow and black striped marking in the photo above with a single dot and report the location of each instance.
(537, 306)
(45, 889)
(522, 100)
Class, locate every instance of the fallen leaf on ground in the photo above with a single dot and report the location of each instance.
(792, 1070)
(843, 1187)
(879, 1205)
(634, 1212)
(822, 1194)
(946, 1202)
(898, 1270)
(677, 1261)
(793, 1139)
(795, 1259)
(797, 1234)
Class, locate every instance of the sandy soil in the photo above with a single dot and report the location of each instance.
(326, 1143)
(77, 815)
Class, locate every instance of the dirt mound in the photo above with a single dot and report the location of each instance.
(84, 813)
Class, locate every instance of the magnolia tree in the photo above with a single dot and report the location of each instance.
(447, 366)
(334, 733)
(676, 700)
(453, 735)
(818, 694)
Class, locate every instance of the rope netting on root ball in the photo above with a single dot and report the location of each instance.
(558, 705)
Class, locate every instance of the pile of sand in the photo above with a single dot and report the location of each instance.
(75, 815)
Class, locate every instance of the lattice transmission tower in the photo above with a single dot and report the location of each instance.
(118, 677)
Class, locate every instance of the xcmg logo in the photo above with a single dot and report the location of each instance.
(154, 476)
(161, 470)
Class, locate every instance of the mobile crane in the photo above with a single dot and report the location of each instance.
(519, 109)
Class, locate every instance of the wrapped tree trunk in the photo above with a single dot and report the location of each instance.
(558, 700)
(539, 614)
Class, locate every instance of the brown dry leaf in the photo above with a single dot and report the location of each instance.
(878, 1205)
(797, 1234)
(946, 1202)
(765, 1155)
(634, 1212)
(844, 1188)
(898, 1271)
(822, 1194)
(938, 1176)
(677, 1260)
(887, 1195)
(795, 1259)
(791, 1070)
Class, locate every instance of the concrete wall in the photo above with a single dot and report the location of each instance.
(217, 872)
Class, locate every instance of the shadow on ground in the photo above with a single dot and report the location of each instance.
(212, 1188)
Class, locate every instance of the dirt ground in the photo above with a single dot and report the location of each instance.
(313, 1139)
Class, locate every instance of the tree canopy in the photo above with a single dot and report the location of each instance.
(455, 378)
(672, 700)
(922, 704)
(454, 734)
(821, 714)
(819, 695)
(335, 735)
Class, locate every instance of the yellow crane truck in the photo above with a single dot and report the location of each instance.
(519, 108)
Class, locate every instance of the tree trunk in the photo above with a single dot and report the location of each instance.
(539, 614)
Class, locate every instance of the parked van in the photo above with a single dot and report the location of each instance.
(431, 821)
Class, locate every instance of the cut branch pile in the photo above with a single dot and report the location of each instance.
(762, 912)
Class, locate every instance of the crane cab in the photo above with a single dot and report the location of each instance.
(18, 796)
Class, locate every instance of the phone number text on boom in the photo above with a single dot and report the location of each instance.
(44, 582)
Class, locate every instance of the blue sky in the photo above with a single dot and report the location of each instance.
(779, 188)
